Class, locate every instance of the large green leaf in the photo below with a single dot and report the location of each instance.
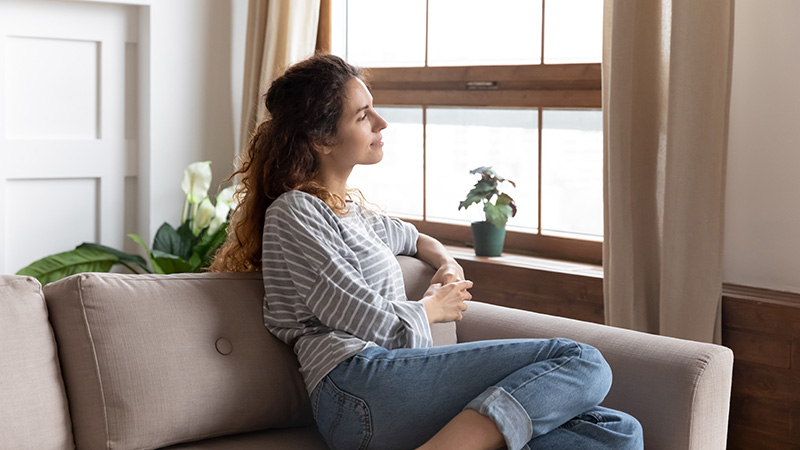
(178, 242)
(126, 259)
(483, 190)
(171, 263)
(208, 245)
(497, 214)
(505, 199)
(60, 265)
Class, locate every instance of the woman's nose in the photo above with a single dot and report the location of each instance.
(380, 123)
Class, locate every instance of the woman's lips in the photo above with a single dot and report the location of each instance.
(378, 143)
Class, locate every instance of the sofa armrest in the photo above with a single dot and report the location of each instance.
(678, 389)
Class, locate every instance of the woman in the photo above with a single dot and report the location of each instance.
(334, 291)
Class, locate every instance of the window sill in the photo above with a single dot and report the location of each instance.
(462, 253)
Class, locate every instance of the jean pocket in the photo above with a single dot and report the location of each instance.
(342, 419)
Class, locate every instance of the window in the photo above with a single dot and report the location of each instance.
(512, 84)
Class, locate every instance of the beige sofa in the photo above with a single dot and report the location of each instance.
(112, 361)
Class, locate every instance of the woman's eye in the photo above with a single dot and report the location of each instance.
(362, 117)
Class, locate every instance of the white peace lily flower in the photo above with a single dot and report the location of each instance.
(205, 213)
(226, 196)
(197, 181)
(220, 216)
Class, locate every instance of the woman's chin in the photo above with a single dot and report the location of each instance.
(376, 156)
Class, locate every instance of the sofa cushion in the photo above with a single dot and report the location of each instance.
(33, 405)
(155, 360)
(302, 438)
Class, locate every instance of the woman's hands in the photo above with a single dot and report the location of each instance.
(447, 273)
(444, 299)
(445, 302)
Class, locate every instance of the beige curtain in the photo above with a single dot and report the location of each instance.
(666, 90)
(279, 33)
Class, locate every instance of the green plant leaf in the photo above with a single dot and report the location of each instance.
(505, 199)
(484, 171)
(170, 263)
(497, 214)
(178, 242)
(60, 265)
(196, 263)
(483, 190)
(208, 245)
(141, 243)
(123, 258)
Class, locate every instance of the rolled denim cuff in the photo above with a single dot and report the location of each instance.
(507, 413)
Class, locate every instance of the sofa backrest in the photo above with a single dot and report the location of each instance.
(33, 405)
(152, 360)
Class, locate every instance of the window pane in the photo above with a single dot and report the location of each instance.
(573, 31)
(460, 139)
(572, 172)
(395, 184)
(385, 33)
(339, 28)
(480, 32)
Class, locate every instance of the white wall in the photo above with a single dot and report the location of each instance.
(196, 70)
(762, 235)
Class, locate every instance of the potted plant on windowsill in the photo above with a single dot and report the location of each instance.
(489, 235)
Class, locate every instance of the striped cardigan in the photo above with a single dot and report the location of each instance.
(333, 285)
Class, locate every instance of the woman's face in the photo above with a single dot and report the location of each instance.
(358, 139)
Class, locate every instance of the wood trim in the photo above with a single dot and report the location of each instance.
(521, 261)
(534, 76)
(539, 124)
(739, 291)
(578, 250)
(324, 27)
(490, 98)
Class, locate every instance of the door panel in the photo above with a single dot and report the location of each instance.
(67, 126)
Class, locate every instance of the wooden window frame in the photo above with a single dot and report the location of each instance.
(538, 86)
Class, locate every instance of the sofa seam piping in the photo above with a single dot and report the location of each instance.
(96, 361)
(695, 388)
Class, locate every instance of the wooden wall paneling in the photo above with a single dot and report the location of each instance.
(561, 294)
(759, 348)
(760, 316)
(773, 419)
(761, 327)
(741, 438)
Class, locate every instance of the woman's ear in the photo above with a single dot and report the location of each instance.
(321, 148)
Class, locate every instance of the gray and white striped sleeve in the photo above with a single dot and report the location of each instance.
(335, 291)
(401, 237)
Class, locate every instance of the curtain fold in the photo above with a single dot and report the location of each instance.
(279, 33)
(666, 91)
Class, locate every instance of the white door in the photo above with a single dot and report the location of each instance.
(68, 126)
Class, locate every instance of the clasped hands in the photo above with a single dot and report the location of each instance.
(445, 298)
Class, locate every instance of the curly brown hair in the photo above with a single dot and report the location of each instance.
(304, 106)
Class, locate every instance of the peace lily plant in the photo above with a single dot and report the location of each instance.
(189, 248)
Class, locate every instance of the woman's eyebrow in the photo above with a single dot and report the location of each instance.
(362, 108)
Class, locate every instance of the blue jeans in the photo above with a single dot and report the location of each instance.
(542, 394)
